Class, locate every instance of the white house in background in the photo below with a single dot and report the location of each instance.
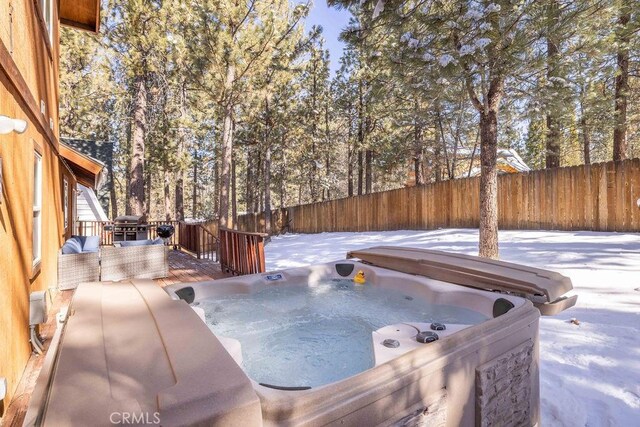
(509, 161)
(87, 205)
(100, 151)
(467, 163)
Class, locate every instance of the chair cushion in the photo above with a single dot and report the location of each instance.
(72, 246)
(91, 244)
(80, 239)
(157, 241)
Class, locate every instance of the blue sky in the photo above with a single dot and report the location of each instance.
(332, 21)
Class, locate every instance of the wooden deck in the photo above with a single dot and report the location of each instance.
(186, 268)
(182, 268)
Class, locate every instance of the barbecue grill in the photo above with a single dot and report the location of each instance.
(165, 231)
(130, 227)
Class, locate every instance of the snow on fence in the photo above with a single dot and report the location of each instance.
(598, 197)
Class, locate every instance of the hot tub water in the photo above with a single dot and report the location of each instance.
(311, 335)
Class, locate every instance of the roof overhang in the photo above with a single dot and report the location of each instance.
(81, 14)
(88, 171)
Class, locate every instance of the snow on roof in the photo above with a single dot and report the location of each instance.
(509, 161)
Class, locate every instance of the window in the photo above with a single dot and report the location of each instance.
(37, 208)
(46, 7)
(65, 200)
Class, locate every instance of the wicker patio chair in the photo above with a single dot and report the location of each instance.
(134, 262)
(74, 269)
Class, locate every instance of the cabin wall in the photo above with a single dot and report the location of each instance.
(28, 75)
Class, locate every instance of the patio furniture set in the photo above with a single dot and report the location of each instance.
(82, 259)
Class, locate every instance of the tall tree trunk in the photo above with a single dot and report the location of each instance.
(128, 159)
(182, 135)
(586, 140)
(488, 245)
(249, 188)
(267, 190)
(488, 110)
(443, 141)
(437, 150)
(167, 195)
(327, 174)
(350, 171)
(361, 136)
(257, 192)
(314, 167)
(194, 193)
(179, 202)
(261, 207)
(112, 195)
(552, 158)
(418, 150)
(136, 168)
(327, 141)
(216, 180)
(283, 188)
(457, 139)
(227, 150)
(267, 168)
(622, 84)
(234, 194)
(360, 172)
(368, 171)
(148, 186)
(350, 149)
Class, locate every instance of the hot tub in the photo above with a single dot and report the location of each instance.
(429, 337)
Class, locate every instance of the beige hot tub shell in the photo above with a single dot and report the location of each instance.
(486, 374)
(127, 350)
(450, 382)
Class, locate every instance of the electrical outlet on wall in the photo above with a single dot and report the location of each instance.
(51, 123)
(43, 107)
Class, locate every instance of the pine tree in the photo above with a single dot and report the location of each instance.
(623, 38)
(228, 51)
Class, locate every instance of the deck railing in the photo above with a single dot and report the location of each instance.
(240, 252)
(194, 237)
(96, 228)
(102, 229)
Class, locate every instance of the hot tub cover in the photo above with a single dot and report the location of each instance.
(543, 287)
(128, 349)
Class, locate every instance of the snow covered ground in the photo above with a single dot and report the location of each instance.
(590, 373)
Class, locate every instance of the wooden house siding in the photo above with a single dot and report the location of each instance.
(28, 79)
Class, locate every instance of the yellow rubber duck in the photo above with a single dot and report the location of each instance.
(359, 278)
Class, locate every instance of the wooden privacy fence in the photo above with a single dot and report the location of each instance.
(598, 197)
(241, 252)
(254, 222)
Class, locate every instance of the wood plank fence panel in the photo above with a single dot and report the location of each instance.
(599, 197)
